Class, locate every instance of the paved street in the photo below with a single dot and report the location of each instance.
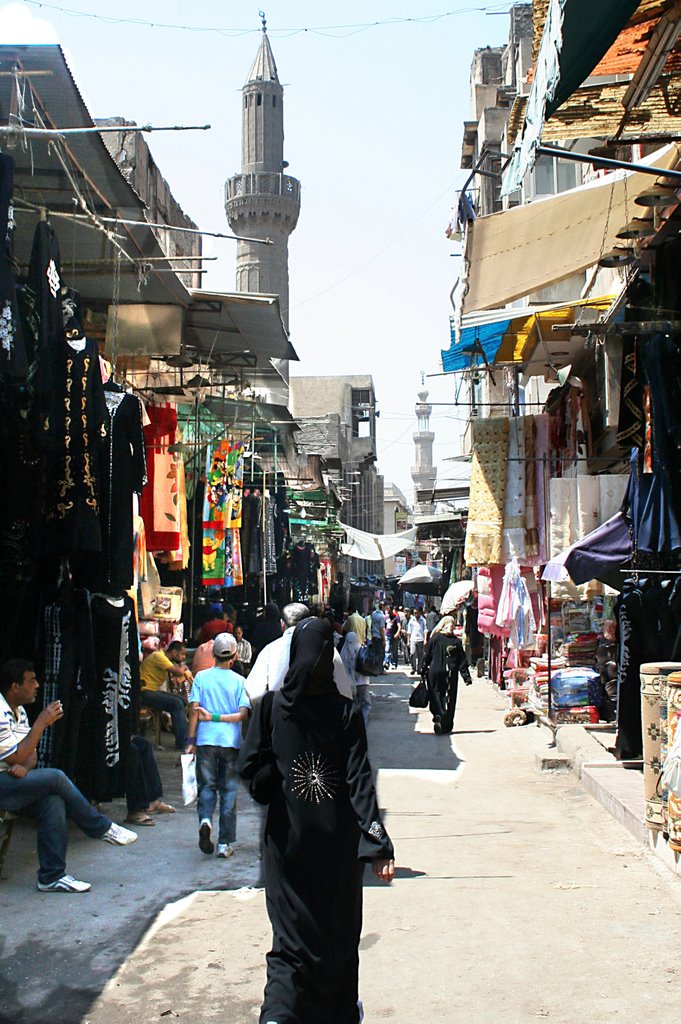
(516, 898)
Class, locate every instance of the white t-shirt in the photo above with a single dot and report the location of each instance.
(272, 665)
(12, 731)
(416, 630)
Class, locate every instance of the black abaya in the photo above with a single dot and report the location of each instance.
(444, 660)
(322, 824)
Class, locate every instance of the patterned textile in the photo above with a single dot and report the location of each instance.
(531, 511)
(673, 720)
(541, 452)
(513, 541)
(488, 491)
(654, 713)
(222, 515)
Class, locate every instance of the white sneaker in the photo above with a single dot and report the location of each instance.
(64, 884)
(119, 836)
(225, 850)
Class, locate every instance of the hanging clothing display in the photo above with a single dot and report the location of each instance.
(124, 473)
(304, 563)
(13, 361)
(159, 506)
(223, 515)
(45, 326)
(487, 491)
(515, 608)
(514, 525)
(74, 427)
(110, 715)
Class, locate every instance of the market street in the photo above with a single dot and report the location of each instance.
(516, 897)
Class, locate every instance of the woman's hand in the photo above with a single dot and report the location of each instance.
(204, 716)
(383, 869)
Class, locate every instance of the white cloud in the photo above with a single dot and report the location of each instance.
(19, 25)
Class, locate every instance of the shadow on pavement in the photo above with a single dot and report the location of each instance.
(405, 740)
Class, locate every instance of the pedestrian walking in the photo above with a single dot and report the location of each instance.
(360, 683)
(444, 660)
(218, 704)
(394, 633)
(416, 631)
(322, 825)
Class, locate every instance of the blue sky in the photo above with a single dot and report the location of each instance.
(373, 131)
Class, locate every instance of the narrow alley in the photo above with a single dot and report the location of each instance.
(516, 897)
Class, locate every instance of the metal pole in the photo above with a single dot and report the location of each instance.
(547, 537)
(605, 161)
(264, 540)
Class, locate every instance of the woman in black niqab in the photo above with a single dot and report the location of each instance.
(323, 824)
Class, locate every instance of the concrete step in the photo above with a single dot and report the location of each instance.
(553, 761)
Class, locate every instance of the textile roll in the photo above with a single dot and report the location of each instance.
(654, 714)
(673, 719)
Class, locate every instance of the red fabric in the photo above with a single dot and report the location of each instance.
(159, 435)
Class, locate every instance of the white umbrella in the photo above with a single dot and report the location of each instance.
(421, 579)
(456, 595)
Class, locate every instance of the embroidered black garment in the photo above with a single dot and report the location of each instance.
(109, 719)
(13, 362)
(123, 473)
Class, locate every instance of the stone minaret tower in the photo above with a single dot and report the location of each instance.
(423, 473)
(262, 201)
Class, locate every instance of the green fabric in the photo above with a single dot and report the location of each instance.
(590, 27)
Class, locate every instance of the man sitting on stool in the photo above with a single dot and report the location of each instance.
(45, 794)
(155, 670)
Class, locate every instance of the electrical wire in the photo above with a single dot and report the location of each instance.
(332, 31)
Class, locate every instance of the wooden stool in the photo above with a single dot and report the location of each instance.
(6, 827)
(155, 716)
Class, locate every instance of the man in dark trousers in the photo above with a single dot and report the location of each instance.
(45, 794)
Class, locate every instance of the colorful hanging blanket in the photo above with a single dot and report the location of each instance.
(222, 510)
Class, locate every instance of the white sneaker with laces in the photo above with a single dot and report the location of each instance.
(64, 884)
(225, 850)
(119, 836)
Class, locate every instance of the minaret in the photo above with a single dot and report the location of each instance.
(423, 473)
(262, 201)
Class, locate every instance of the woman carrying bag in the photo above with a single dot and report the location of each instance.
(444, 660)
(322, 825)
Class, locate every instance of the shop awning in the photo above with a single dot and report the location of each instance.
(223, 324)
(577, 33)
(511, 338)
(376, 547)
(512, 254)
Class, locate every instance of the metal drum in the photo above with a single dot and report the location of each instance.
(654, 676)
(673, 723)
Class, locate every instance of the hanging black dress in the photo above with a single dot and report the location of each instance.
(323, 823)
(123, 472)
(13, 362)
(110, 718)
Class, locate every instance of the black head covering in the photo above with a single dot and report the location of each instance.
(311, 667)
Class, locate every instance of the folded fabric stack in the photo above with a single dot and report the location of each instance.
(580, 649)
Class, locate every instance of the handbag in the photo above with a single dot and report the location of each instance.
(265, 780)
(419, 696)
(369, 661)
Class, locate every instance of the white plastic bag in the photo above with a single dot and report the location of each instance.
(190, 790)
(670, 779)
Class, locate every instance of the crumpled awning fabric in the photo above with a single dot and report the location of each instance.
(376, 547)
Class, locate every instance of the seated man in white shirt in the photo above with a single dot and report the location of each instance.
(273, 661)
(45, 794)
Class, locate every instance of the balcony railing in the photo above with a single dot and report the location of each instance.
(263, 183)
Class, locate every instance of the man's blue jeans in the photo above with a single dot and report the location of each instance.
(216, 773)
(50, 797)
(175, 706)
